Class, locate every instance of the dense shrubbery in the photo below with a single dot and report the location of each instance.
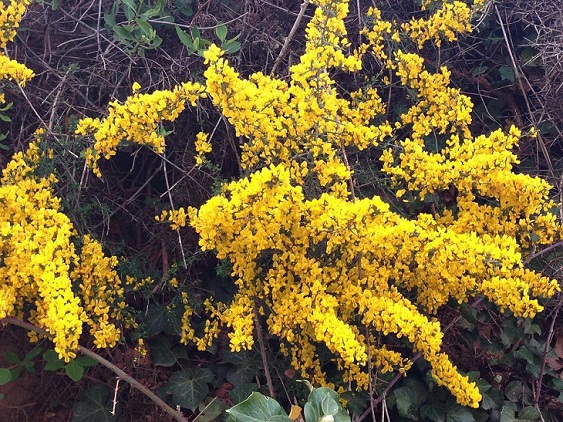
(365, 203)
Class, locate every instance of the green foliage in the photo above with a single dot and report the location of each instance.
(75, 369)
(189, 387)
(134, 24)
(95, 405)
(19, 366)
(135, 32)
(323, 405)
(196, 44)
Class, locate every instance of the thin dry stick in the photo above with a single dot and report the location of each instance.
(545, 352)
(262, 348)
(519, 76)
(119, 372)
(172, 207)
(290, 36)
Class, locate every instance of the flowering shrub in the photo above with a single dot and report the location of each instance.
(44, 278)
(326, 267)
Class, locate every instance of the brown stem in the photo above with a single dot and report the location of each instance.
(262, 348)
(119, 372)
(290, 36)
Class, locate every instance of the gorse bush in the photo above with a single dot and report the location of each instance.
(329, 268)
(45, 278)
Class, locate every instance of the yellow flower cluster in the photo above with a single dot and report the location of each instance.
(10, 17)
(439, 107)
(447, 21)
(202, 147)
(101, 292)
(325, 267)
(138, 120)
(42, 278)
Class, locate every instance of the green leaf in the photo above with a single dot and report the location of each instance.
(5, 118)
(189, 387)
(33, 353)
(74, 370)
(210, 409)
(145, 27)
(246, 364)
(492, 399)
(513, 391)
(508, 412)
(173, 321)
(5, 376)
(155, 319)
(324, 402)
(469, 313)
(109, 19)
(221, 32)
(52, 361)
(459, 414)
(258, 408)
(94, 406)
(164, 354)
(122, 33)
(7, 106)
(529, 413)
(433, 412)
(241, 392)
(12, 357)
(86, 361)
(507, 73)
(185, 39)
(231, 47)
(356, 402)
(410, 397)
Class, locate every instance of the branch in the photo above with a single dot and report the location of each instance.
(119, 372)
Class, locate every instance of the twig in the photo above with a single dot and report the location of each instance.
(546, 350)
(519, 76)
(119, 372)
(288, 39)
(172, 207)
(543, 251)
(262, 348)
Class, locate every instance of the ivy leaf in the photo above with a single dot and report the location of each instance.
(508, 412)
(324, 402)
(460, 414)
(513, 391)
(529, 413)
(410, 397)
(241, 392)
(93, 406)
(433, 412)
(258, 408)
(246, 364)
(189, 387)
(155, 320)
(74, 370)
(173, 319)
(210, 410)
(492, 399)
(506, 73)
(161, 352)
